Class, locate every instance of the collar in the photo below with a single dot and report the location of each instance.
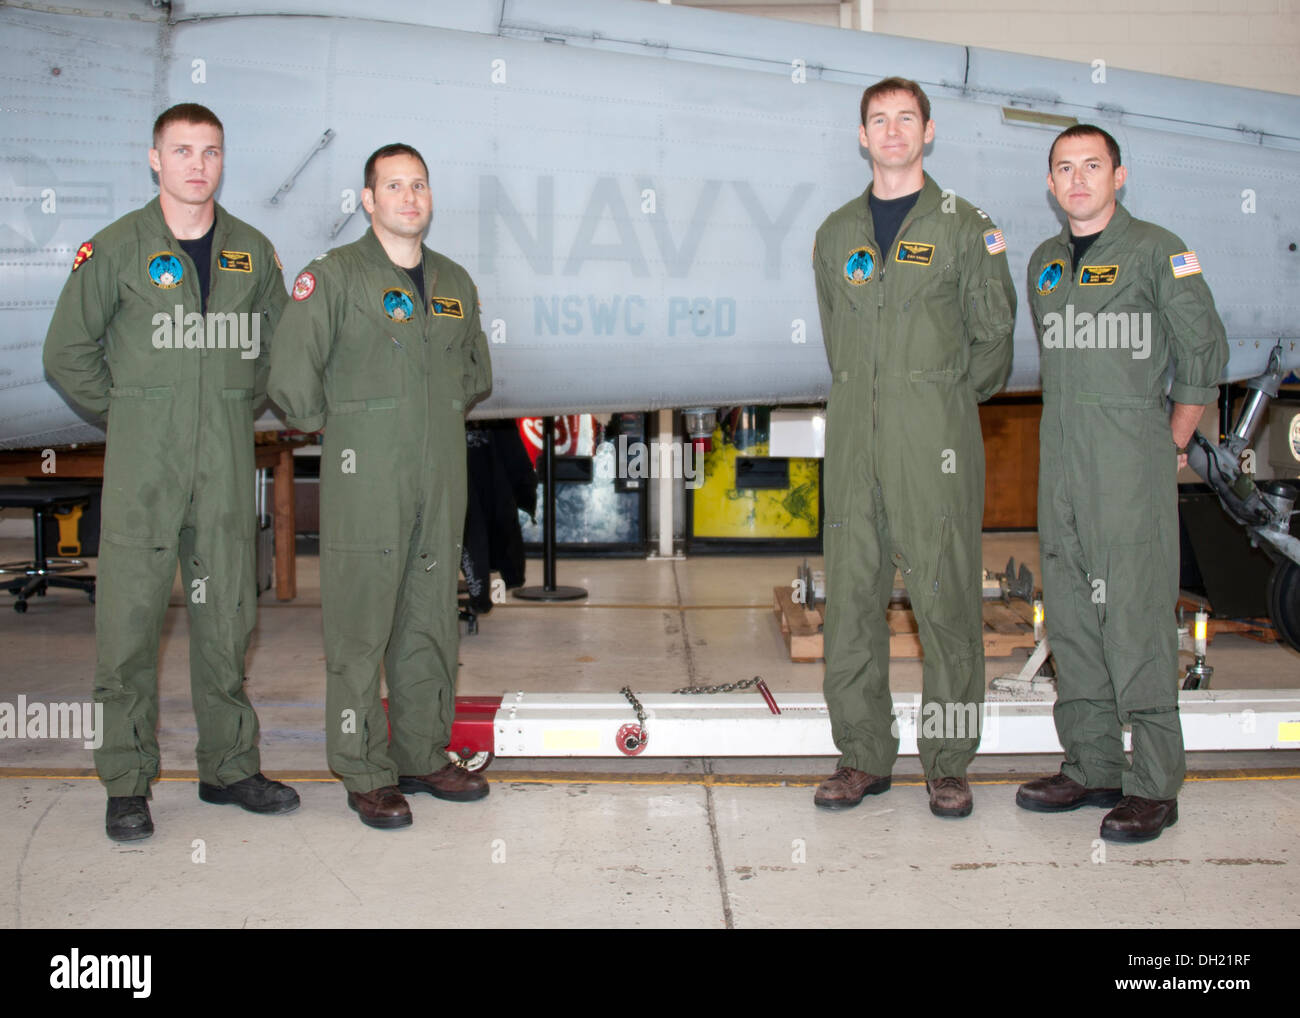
(157, 225)
(1117, 227)
(376, 256)
(926, 202)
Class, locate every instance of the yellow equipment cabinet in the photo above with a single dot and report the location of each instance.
(747, 495)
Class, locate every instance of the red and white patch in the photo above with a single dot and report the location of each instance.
(83, 255)
(304, 286)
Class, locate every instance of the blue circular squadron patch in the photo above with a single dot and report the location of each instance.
(860, 266)
(165, 270)
(398, 305)
(1050, 278)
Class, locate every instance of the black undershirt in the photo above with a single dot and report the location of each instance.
(1079, 247)
(417, 280)
(888, 214)
(200, 252)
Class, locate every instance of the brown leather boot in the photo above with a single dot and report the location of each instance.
(950, 797)
(1059, 793)
(846, 787)
(1139, 819)
(453, 783)
(382, 807)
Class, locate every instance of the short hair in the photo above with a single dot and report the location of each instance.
(185, 113)
(1083, 131)
(395, 149)
(896, 84)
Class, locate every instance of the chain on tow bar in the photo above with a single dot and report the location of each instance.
(633, 738)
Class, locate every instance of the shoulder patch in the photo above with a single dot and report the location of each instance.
(994, 242)
(83, 255)
(1185, 264)
(304, 286)
(448, 306)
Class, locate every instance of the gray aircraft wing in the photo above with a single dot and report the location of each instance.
(634, 187)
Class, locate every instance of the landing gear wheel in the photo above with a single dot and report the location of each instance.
(473, 763)
(1284, 602)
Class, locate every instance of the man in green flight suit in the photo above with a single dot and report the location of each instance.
(164, 325)
(917, 308)
(382, 347)
(1116, 302)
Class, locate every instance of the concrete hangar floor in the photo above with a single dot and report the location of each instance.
(687, 843)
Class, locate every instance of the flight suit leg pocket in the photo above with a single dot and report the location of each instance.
(144, 475)
(951, 584)
(358, 476)
(835, 545)
(1140, 648)
(240, 520)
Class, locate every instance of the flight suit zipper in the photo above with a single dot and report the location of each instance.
(1066, 382)
(422, 321)
(881, 331)
(196, 375)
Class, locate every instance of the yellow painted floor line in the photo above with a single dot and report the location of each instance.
(614, 778)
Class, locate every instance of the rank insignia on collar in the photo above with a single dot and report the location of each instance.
(398, 305)
(1098, 275)
(165, 270)
(83, 255)
(1050, 278)
(912, 253)
(448, 306)
(235, 261)
(860, 266)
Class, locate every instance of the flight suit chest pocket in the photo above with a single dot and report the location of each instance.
(921, 271)
(146, 342)
(929, 314)
(150, 302)
(231, 290)
(845, 340)
(371, 357)
(446, 357)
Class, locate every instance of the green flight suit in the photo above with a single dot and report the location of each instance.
(178, 474)
(1109, 330)
(389, 379)
(915, 340)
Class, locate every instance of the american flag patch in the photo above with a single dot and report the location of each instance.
(1185, 264)
(994, 241)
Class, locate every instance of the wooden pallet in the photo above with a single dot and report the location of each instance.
(801, 627)
(1007, 627)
